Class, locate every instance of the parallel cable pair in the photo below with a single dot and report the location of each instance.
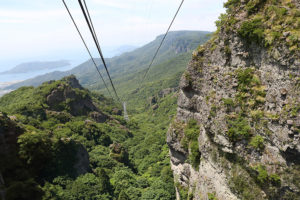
(93, 32)
(88, 19)
(93, 60)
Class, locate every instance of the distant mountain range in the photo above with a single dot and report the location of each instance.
(36, 66)
(130, 63)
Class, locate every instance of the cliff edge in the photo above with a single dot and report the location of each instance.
(236, 133)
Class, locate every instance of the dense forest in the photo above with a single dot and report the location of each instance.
(70, 143)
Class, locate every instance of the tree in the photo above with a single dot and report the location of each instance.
(123, 196)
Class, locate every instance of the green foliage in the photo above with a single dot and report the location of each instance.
(23, 101)
(49, 150)
(213, 111)
(183, 191)
(262, 176)
(257, 115)
(87, 186)
(47, 156)
(253, 5)
(227, 51)
(257, 142)
(275, 179)
(245, 76)
(252, 30)
(239, 128)
(192, 130)
(250, 91)
(242, 184)
(190, 139)
(228, 102)
(28, 189)
(162, 76)
(231, 3)
(35, 149)
(123, 196)
(271, 24)
(49, 146)
(195, 154)
(292, 175)
(221, 20)
(211, 196)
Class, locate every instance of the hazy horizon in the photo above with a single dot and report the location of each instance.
(40, 30)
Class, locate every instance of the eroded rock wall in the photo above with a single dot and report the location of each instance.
(245, 98)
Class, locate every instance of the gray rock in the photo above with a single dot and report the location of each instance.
(99, 117)
(269, 102)
(166, 91)
(78, 104)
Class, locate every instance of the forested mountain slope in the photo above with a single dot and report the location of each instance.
(108, 157)
(237, 130)
(176, 43)
(60, 141)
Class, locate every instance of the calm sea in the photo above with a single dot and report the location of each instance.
(23, 76)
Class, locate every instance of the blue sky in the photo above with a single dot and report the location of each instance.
(41, 29)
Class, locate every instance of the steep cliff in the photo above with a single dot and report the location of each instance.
(236, 133)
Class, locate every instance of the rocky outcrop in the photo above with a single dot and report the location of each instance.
(73, 82)
(71, 93)
(166, 92)
(99, 117)
(245, 98)
(119, 153)
(154, 100)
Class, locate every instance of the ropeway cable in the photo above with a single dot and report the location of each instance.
(98, 47)
(161, 43)
(86, 46)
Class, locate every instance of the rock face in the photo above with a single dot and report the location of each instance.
(73, 95)
(244, 94)
(153, 100)
(119, 153)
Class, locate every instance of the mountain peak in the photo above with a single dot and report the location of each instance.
(72, 81)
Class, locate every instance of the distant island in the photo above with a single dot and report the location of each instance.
(36, 66)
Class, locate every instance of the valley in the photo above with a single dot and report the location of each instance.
(216, 118)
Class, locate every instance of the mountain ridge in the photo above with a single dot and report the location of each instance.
(36, 66)
(61, 141)
(129, 62)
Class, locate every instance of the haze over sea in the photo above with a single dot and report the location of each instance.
(4, 78)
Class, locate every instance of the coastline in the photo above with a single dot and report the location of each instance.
(5, 84)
